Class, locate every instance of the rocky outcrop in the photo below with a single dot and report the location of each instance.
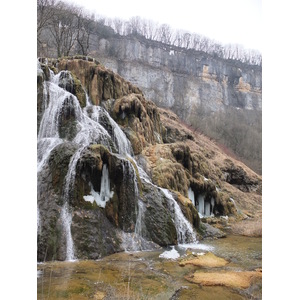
(100, 83)
(182, 79)
(111, 160)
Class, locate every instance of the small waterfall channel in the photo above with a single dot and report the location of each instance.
(87, 130)
(185, 231)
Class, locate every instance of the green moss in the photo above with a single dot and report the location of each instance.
(59, 164)
(79, 91)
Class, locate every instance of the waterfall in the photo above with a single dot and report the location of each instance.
(139, 219)
(93, 125)
(66, 218)
(88, 101)
(185, 232)
(200, 200)
(105, 193)
(119, 136)
(207, 209)
(191, 195)
(55, 97)
(99, 114)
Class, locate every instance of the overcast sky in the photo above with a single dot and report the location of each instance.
(226, 21)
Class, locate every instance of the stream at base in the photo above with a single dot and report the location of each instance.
(146, 275)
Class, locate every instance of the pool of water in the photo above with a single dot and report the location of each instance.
(146, 275)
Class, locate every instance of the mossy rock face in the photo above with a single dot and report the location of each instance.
(170, 175)
(224, 205)
(79, 92)
(72, 84)
(159, 225)
(236, 176)
(121, 209)
(139, 119)
(182, 154)
(93, 235)
(67, 122)
(203, 187)
(124, 184)
(49, 240)
(136, 143)
(49, 237)
(199, 165)
(59, 163)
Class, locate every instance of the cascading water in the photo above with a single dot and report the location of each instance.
(66, 218)
(200, 199)
(93, 125)
(191, 195)
(55, 98)
(139, 219)
(185, 232)
(98, 114)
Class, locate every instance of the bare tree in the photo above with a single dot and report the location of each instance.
(66, 28)
(63, 28)
(165, 33)
(118, 25)
(135, 25)
(186, 39)
(86, 26)
(45, 13)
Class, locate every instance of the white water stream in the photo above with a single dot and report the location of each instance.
(185, 231)
(88, 130)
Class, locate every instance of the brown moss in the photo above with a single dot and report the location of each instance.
(170, 175)
(248, 228)
(102, 84)
(230, 279)
(208, 260)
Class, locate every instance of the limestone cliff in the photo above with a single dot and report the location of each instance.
(182, 79)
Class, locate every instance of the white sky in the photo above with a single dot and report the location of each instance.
(226, 21)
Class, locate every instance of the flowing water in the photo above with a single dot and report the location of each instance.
(185, 231)
(88, 128)
(150, 275)
(55, 98)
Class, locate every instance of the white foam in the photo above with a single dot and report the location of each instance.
(196, 246)
(171, 254)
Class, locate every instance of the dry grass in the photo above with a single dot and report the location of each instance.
(248, 228)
